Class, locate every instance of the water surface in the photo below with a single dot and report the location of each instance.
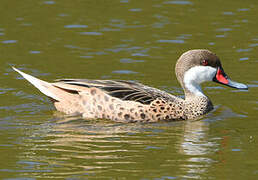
(131, 40)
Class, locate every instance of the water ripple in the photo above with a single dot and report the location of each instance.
(244, 50)
(129, 60)
(224, 29)
(9, 41)
(91, 33)
(5, 90)
(244, 58)
(34, 52)
(70, 26)
(253, 45)
(49, 2)
(171, 41)
(135, 10)
(179, 2)
(228, 13)
(243, 9)
(124, 72)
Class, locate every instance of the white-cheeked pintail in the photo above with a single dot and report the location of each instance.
(127, 101)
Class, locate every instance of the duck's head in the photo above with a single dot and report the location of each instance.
(197, 66)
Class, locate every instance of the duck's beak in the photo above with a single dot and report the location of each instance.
(222, 78)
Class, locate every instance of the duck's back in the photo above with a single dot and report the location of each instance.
(115, 99)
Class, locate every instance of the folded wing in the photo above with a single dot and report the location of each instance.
(124, 90)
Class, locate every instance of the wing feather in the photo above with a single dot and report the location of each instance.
(125, 90)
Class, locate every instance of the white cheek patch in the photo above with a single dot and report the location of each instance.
(197, 75)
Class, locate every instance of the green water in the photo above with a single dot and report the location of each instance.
(131, 40)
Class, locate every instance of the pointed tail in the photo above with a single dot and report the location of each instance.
(44, 87)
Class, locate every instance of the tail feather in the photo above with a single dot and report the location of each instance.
(43, 86)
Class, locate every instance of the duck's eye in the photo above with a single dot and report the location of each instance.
(204, 62)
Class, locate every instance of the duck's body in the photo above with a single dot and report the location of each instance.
(126, 101)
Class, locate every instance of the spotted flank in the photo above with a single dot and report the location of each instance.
(129, 101)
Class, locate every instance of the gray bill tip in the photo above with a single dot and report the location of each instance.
(238, 85)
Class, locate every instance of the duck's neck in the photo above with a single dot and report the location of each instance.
(194, 77)
(192, 90)
(194, 93)
(196, 103)
(195, 100)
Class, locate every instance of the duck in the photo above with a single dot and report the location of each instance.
(130, 101)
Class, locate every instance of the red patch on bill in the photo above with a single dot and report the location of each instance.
(220, 77)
